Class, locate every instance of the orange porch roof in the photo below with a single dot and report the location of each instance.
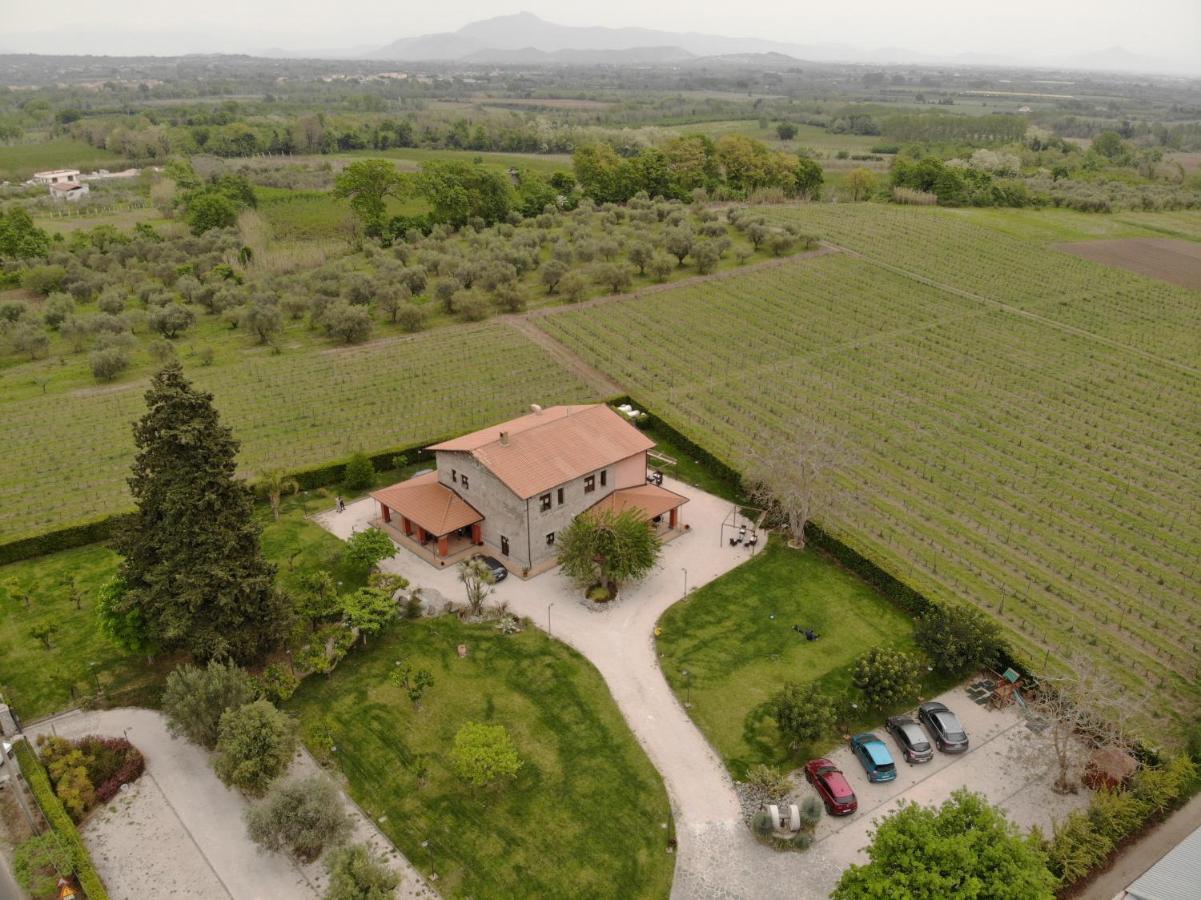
(429, 503)
(649, 499)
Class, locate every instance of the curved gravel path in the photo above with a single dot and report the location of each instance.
(716, 855)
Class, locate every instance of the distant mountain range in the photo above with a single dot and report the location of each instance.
(525, 39)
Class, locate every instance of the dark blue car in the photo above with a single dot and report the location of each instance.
(874, 757)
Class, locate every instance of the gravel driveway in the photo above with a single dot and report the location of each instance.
(178, 831)
(717, 856)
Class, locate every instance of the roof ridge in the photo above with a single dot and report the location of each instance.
(550, 421)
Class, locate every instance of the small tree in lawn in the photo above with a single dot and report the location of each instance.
(803, 713)
(43, 631)
(958, 638)
(195, 699)
(357, 873)
(367, 548)
(607, 549)
(885, 676)
(273, 485)
(477, 581)
(484, 754)
(255, 745)
(965, 848)
(301, 816)
(414, 682)
(796, 476)
(368, 610)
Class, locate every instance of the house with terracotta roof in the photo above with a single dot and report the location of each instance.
(509, 489)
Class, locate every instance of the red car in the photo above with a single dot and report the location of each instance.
(829, 782)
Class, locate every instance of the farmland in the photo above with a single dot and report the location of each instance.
(19, 161)
(66, 455)
(1003, 454)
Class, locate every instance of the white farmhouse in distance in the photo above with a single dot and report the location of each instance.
(63, 184)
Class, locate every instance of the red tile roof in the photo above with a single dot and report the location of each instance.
(428, 503)
(651, 500)
(544, 449)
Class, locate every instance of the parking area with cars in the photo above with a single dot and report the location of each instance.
(988, 766)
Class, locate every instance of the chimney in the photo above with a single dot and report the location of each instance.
(536, 409)
(504, 438)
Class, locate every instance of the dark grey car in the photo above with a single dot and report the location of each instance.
(912, 740)
(944, 726)
(496, 567)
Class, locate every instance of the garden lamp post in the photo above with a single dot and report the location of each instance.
(548, 606)
(685, 571)
(687, 689)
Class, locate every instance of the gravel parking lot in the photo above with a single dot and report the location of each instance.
(988, 767)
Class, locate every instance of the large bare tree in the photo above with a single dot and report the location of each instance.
(1075, 713)
(794, 473)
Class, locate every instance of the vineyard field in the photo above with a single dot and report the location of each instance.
(1121, 308)
(64, 457)
(1051, 479)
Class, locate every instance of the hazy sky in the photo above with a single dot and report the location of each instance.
(1024, 29)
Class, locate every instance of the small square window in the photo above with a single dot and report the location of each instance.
(504, 545)
(604, 477)
(560, 496)
(544, 502)
(550, 539)
(463, 481)
(589, 484)
(454, 476)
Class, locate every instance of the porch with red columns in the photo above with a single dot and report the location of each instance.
(444, 545)
(673, 517)
(385, 513)
(477, 534)
(408, 526)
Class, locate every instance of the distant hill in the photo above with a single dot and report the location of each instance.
(630, 56)
(522, 34)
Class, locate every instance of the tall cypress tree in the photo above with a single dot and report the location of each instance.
(193, 567)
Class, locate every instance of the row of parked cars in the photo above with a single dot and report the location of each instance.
(911, 738)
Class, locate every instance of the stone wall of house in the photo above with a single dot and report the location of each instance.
(525, 523)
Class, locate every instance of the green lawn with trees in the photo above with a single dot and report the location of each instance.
(585, 815)
(735, 639)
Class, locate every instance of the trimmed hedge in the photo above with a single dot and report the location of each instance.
(60, 821)
(720, 468)
(94, 531)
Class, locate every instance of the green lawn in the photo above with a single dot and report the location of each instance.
(735, 639)
(586, 815)
(19, 161)
(37, 681)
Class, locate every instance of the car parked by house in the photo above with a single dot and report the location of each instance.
(944, 726)
(874, 757)
(496, 567)
(911, 738)
(832, 786)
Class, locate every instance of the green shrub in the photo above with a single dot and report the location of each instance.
(1076, 848)
(359, 474)
(761, 824)
(886, 676)
(1159, 788)
(302, 816)
(255, 746)
(811, 812)
(484, 754)
(803, 713)
(195, 699)
(802, 840)
(356, 873)
(59, 821)
(1116, 814)
(768, 782)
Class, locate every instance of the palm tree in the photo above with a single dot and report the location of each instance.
(273, 485)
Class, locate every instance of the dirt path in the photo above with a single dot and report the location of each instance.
(593, 377)
(1139, 857)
